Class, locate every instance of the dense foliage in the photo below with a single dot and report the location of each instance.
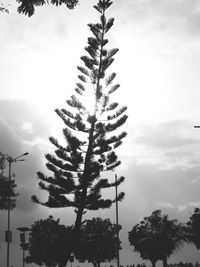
(157, 237)
(27, 7)
(7, 187)
(48, 242)
(194, 228)
(99, 242)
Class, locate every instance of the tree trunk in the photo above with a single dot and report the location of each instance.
(153, 263)
(80, 211)
(165, 261)
(94, 263)
(64, 261)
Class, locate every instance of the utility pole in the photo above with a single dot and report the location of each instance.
(117, 219)
(8, 235)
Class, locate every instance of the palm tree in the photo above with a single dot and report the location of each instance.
(157, 237)
(169, 234)
(194, 228)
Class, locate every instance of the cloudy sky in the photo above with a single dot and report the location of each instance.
(158, 69)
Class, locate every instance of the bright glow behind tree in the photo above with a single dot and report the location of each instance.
(88, 132)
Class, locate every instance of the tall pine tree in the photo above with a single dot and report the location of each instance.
(90, 147)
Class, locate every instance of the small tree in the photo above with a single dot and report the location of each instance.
(194, 228)
(77, 166)
(157, 237)
(7, 187)
(99, 242)
(48, 242)
(140, 239)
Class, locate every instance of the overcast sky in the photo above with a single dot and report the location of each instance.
(158, 69)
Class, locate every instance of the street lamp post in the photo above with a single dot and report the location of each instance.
(23, 243)
(8, 236)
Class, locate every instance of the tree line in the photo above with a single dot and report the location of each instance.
(155, 238)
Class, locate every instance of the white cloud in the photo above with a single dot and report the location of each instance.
(24, 119)
(167, 144)
(27, 126)
(170, 134)
(173, 16)
(189, 205)
(164, 204)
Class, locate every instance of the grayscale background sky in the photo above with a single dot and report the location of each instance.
(158, 69)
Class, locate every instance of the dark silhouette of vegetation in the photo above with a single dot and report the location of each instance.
(3, 8)
(48, 242)
(157, 237)
(99, 242)
(7, 187)
(194, 228)
(27, 7)
(89, 151)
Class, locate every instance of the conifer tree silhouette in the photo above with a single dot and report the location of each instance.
(90, 147)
